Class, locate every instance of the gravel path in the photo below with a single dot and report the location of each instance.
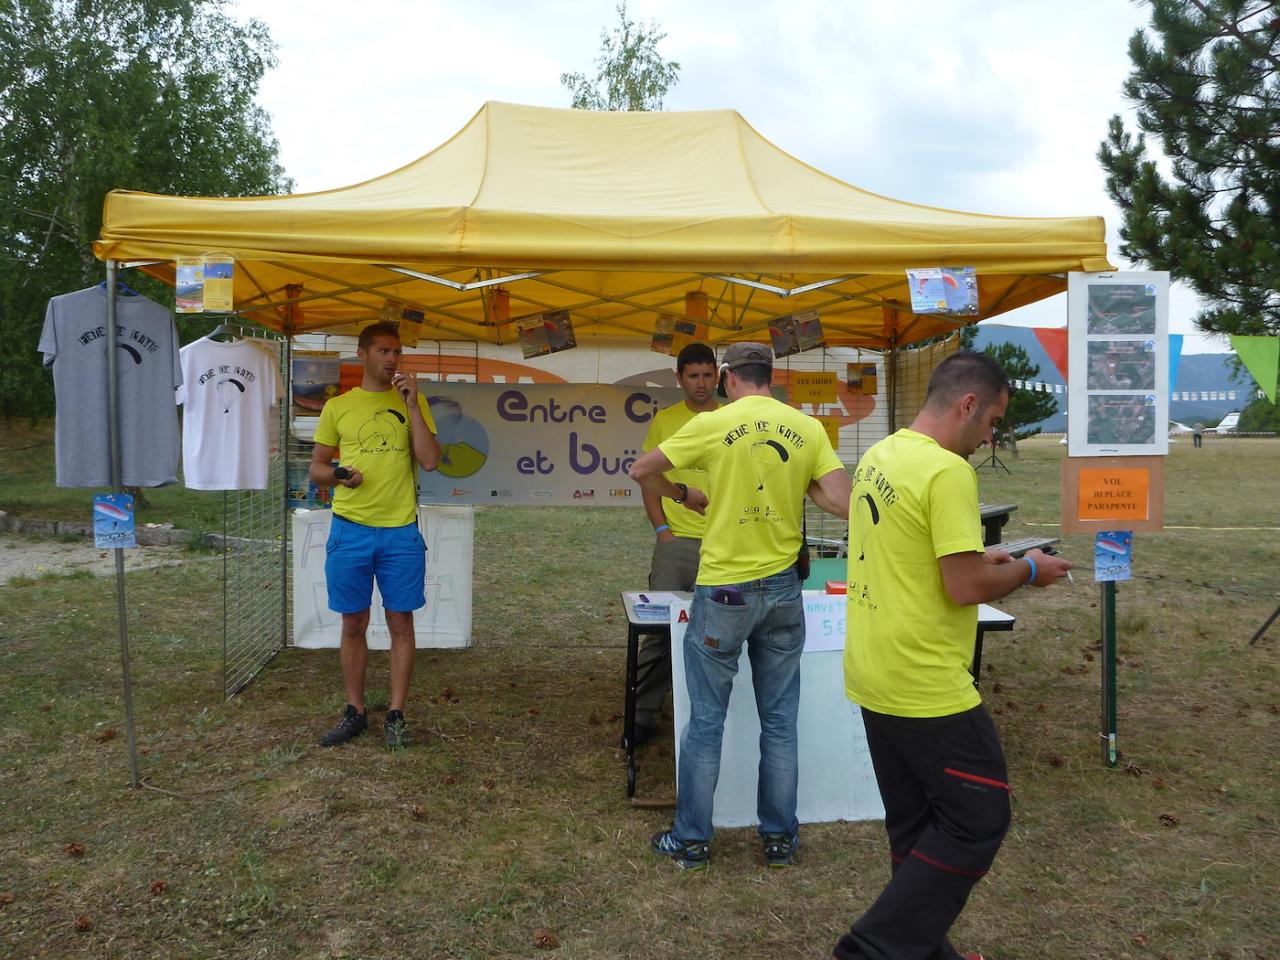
(28, 556)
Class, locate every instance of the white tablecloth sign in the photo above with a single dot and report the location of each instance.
(836, 779)
(446, 619)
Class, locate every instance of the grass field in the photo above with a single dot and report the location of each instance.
(509, 821)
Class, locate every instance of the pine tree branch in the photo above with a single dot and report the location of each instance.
(1233, 29)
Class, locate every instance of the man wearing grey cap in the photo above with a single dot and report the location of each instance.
(761, 458)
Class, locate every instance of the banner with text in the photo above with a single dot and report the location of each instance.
(539, 444)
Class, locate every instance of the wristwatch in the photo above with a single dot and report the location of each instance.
(684, 493)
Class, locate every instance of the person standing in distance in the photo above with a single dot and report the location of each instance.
(917, 572)
(374, 533)
(677, 531)
(761, 457)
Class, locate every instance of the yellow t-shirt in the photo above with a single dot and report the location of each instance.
(760, 456)
(683, 522)
(371, 431)
(909, 645)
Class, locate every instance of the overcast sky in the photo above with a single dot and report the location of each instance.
(993, 106)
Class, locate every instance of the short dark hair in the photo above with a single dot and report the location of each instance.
(756, 374)
(695, 353)
(965, 372)
(379, 329)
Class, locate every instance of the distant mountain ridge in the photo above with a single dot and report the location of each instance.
(1202, 373)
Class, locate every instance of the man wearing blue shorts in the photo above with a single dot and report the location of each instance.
(374, 535)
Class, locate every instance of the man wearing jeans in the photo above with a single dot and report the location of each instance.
(761, 457)
(917, 572)
(677, 531)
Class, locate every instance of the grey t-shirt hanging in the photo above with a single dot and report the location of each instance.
(74, 343)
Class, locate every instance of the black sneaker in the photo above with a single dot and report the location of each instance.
(351, 725)
(780, 849)
(395, 730)
(688, 855)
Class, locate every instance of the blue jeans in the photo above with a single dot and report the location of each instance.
(770, 622)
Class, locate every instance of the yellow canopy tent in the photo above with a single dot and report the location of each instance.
(612, 216)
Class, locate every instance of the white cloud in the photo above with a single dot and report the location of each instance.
(995, 106)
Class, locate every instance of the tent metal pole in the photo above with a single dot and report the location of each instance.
(292, 314)
(113, 431)
(285, 530)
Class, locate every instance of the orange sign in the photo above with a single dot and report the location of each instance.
(1114, 494)
(832, 426)
(816, 387)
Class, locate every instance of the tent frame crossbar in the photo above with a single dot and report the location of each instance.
(462, 287)
(783, 292)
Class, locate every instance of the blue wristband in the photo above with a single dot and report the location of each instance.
(661, 527)
(1031, 578)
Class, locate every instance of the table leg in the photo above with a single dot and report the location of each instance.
(976, 667)
(629, 710)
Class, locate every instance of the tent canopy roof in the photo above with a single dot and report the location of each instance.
(618, 216)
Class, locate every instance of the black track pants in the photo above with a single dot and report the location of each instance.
(946, 798)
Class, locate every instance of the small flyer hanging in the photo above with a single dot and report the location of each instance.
(663, 334)
(188, 287)
(314, 379)
(411, 323)
(796, 333)
(861, 379)
(559, 327)
(952, 291)
(113, 520)
(219, 284)
(533, 337)
(1112, 555)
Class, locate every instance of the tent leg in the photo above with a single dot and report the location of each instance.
(285, 525)
(113, 431)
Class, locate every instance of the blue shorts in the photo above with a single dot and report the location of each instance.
(355, 555)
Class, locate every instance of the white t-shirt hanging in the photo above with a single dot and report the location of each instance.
(227, 389)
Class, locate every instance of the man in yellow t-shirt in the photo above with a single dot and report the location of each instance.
(677, 531)
(761, 458)
(917, 572)
(374, 531)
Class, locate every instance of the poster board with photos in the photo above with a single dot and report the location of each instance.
(1118, 355)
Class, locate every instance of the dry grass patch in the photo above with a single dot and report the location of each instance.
(508, 817)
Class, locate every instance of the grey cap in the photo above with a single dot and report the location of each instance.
(745, 354)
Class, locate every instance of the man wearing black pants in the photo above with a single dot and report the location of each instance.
(917, 572)
(677, 531)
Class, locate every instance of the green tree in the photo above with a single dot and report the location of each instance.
(1206, 87)
(1025, 406)
(153, 95)
(1260, 416)
(630, 73)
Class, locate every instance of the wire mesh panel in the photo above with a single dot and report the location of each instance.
(914, 367)
(254, 585)
(859, 410)
(877, 393)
